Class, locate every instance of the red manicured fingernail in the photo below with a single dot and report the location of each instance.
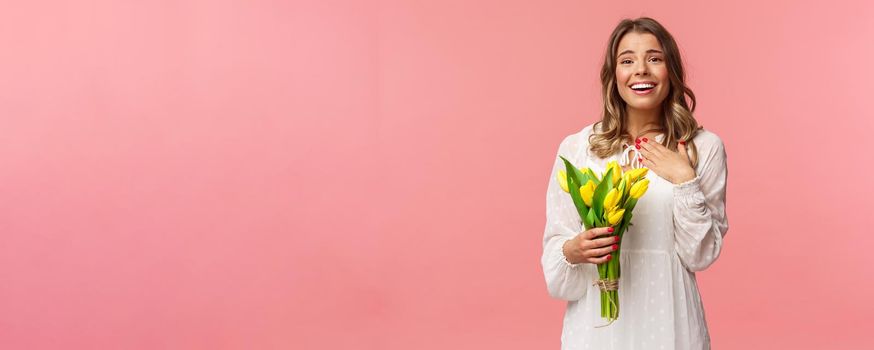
(683, 143)
(640, 159)
(615, 246)
(638, 146)
(637, 141)
(644, 139)
(609, 257)
(609, 229)
(617, 238)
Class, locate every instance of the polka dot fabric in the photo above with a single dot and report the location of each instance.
(678, 230)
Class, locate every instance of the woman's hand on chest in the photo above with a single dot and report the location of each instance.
(674, 166)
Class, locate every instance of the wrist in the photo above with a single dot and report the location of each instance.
(685, 177)
(566, 251)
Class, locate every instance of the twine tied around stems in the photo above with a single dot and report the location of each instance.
(608, 285)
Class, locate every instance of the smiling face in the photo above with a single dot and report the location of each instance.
(640, 60)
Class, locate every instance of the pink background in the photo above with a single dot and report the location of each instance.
(371, 175)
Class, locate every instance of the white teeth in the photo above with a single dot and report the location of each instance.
(642, 86)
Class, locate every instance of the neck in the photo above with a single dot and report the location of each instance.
(639, 121)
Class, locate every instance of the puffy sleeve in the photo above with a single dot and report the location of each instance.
(564, 280)
(700, 221)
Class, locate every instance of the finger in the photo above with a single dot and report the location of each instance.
(647, 162)
(681, 147)
(600, 260)
(606, 241)
(589, 237)
(652, 147)
(602, 231)
(643, 151)
(646, 150)
(646, 155)
(598, 231)
(603, 251)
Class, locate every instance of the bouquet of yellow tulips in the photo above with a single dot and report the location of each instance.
(605, 201)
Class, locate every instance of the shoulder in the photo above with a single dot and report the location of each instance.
(577, 139)
(708, 142)
(711, 151)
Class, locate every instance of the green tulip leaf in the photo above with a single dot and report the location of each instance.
(581, 177)
(624, 196)
(601, 192)
(590, 219)
(573, 185)
(630, 204)
(626, 220)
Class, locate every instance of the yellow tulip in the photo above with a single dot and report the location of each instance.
(587, 191)
(619, 186)
(612, 199)
(617, 171)
(639, 188)
(562, 180)
(625, 185)
(637, 174)
(643, 172)
(615, 216)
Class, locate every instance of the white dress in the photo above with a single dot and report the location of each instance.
(678, 230)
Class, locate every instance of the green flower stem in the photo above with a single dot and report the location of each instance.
(602, 273)
(611, 271)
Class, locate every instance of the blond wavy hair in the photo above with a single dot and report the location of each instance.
(677, 123)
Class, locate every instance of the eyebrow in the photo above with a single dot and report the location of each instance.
(647, 51)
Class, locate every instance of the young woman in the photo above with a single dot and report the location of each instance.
(680, 222)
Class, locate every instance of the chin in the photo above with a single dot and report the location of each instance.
(644, 107)
(648, 104)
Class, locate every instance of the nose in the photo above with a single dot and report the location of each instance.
(641, 69)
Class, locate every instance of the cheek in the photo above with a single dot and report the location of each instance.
(661, 73)
(662, 76)
(621, 78)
